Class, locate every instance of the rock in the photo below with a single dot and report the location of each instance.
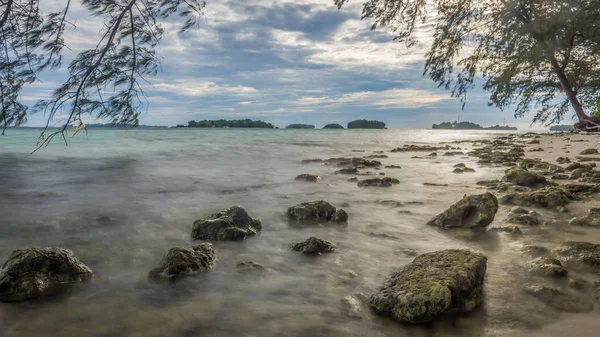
(530, 218)
(393, 166)
(432, 154)
(409, 252)
(411, 148)
(353, 179)
(35, 272)
(313, 245)
(539, 165)
(493, 182)
(309, 161)
(378, 182)
(514, 230)
(436, 284)
(469, 212)
(545, 266)
(340, 216)
(533, 142)
(583, 255)
(228, 225)
(522, 177)
(561, 176)
(250, 266)
(382, 156)
(535, 251)
(557, 299)
(315, 212)
(575, 166)
(590, 219)
(434, 184)
(383, 235)
(519, 210)
(347, 170)
(578, 284)
(596, 292)
(356, 162)
(563, 160)
(468, 169)
(179, 262)
(457, 170)
(308, 177)
(547, 197)
(460, 165)
(589, 151)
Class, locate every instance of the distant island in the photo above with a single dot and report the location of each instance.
(333, 126)
(468, 126)
(365, 124)
(222, 123)
(565, 128)
(300, 126)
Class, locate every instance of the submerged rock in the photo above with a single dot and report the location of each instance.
(590, 219)
(313, 245)
(250, 266)
(230, 224)
(393, 166)
(347, 170)
(314, 212)
(179, 262)
(545, 266)
(580, 254)
(472, 211)
(35, 272)
(378, 182)
(522, 216)
(535, 251)
(308, 177)
(435, 284)
(589, 151)
(522, 177)
(547, 197)
(514, 230)
(558, 299)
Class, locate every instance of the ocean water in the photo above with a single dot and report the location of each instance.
(121, 198)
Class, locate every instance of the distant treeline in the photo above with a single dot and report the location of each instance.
(333, 126)
(124, 126)
(567, 128)
(365, 124)
(222, 123)
(300, 126)
(468, 126)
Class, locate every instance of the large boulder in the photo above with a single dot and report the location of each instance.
(547, 197)
(590, 219)
(313, 245)
(583, 255)
(179, 262)
(34, 272)
(469, 212)
(433, 285)
(522, 177)
(230, 224)
(315, 212)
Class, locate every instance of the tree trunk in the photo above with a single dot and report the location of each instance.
(571, 95)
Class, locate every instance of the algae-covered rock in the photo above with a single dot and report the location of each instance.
(590, 219)
(250, 266)
(547, 197)
(469, 212)
(347, 170)
(308, 177)
(558, 299)
(179, 262)
(545, 266)
(522, 177)
(596, 292)
(40, 271)
(435, 284)
(583, 255)
(315, 212)
(230, 224)
(589, 151)
(313, 245)
(514, 230)
(523, 217)
(378, 182)
(535, 251)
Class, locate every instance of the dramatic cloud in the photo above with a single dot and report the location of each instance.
(285, 61)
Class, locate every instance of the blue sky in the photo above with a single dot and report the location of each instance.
(287, 61)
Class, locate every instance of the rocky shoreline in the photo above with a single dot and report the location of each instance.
(437, 284)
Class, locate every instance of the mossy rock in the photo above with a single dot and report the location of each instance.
(592, 219)
(545, 266)
(547, 197)
(582, 255)
(313, 245)
(434, 285)
(315, 212)
(230, 224)
(40, 271)
(179, 262)
(522, 177)
(469, 212)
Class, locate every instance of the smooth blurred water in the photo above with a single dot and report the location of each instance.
(154, 183)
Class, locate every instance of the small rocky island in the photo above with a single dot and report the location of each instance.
(469, 126)
(222, 123)
(333, 126)
(300, 126)
(366, 124)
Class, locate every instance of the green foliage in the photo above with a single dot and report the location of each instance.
(221, 123)
(333, 126)
(300, 126)
(366, 124)
(102, 81)
(534, 56)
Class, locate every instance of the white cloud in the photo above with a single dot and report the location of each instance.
(388, 99)
(196, 88)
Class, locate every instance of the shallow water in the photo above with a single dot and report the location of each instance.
(121, 198)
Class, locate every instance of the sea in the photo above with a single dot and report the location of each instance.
(121, 198)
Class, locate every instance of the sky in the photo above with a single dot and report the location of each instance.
(286, 61)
